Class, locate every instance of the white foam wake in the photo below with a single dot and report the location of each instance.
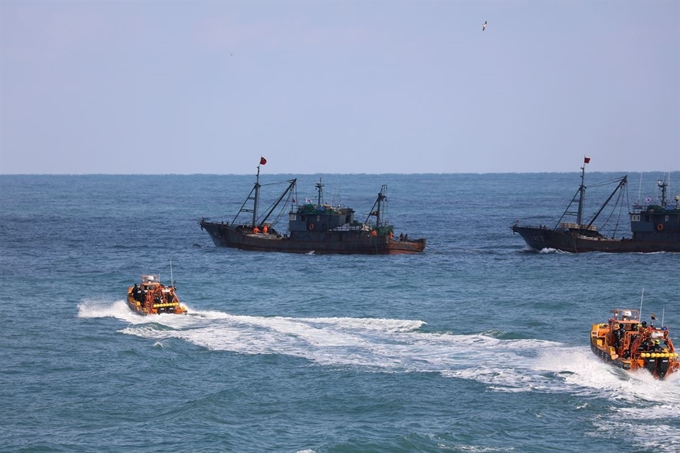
(395, 345)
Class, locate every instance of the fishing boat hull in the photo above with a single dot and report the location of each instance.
(654, 227)
(319, 242)
(320, 228)
(540, 238)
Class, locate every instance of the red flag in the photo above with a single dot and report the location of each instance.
(262, 160)
(586, 160)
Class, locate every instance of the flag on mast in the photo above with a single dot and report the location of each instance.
(586, 160)
(263, 161)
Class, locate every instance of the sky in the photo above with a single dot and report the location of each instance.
(321, 86)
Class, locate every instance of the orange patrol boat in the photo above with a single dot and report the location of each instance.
(626, 342)
(152, 297)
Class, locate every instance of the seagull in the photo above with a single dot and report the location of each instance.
(484, 26)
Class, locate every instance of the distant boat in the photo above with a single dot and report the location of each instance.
(313, 228)
(632, 345)
(654, 227)
(151, 297)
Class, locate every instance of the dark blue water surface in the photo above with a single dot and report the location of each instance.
(477, 345)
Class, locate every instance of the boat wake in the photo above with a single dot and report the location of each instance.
(398, 346)
(106, 309)
(395, 345)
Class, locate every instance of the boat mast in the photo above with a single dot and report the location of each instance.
(377, 209)
(382, 196)
(663, 186)
(582, 193)
(256, 200)
(622, 182)
(290, 187)
(319, 189)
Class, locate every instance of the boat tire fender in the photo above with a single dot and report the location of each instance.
(659, 227)
(311, 226)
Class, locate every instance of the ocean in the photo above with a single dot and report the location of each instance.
(476, 345)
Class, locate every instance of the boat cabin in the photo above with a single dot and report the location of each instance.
(657, 221)
(310, 217)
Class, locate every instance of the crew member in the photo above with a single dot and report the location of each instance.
(618, 334)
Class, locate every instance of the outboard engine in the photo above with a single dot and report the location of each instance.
(662, 367)
(650, 365)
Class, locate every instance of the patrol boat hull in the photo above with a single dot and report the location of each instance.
(626, 343)
(151, 297)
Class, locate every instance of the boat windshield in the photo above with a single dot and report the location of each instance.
(151, 278)
(626, 314)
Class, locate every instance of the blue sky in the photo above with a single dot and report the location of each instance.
(338, 86)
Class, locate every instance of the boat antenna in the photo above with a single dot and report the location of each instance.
(663, 313)
(172, 283)
(639, 198)
(641, 298)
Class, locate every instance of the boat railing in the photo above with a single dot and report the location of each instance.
(348, 227)
(576, 226)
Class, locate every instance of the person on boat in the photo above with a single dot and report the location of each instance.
(634, 347)
(139, 295)
(647, 345)
(618, 335)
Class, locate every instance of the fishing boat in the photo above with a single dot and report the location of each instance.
(151, 297)
(655, 227)
(627, 343)
(313, 228)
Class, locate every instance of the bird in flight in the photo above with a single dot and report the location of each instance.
(484, 26)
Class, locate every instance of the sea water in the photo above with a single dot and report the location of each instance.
(476, 345)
